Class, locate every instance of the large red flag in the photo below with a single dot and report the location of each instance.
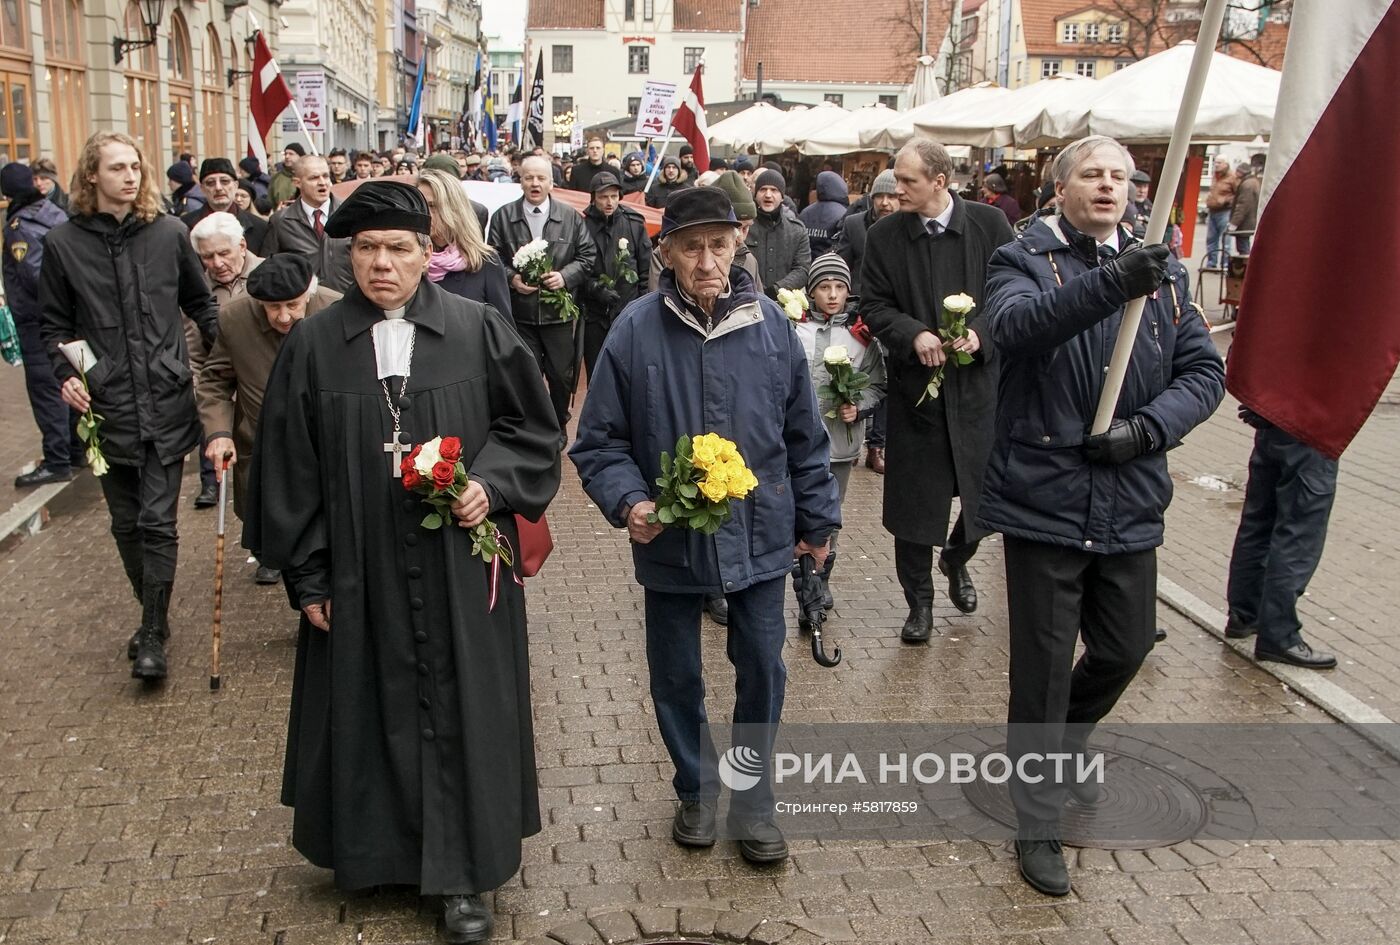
(269, 97)
(1318, 336)
(690, 121)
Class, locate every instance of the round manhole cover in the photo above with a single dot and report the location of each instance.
(1142, 805)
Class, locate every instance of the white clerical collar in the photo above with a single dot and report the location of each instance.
(943, 219)
(393, 344)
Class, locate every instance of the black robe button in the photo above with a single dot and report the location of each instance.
(425, 702)
(405, 402)
(411, 540)
(409, 505)
(429, 735)
(421, 636)
(415, 572)
(416, 603)
(422, 669)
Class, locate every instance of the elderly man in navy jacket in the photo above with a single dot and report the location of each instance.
(706, 353)
(1082, 514)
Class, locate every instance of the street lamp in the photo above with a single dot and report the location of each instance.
(151, 11)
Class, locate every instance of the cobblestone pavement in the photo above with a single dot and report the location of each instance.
(151, 817)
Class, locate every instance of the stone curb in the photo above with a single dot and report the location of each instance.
(1368, 722)
(24, 511)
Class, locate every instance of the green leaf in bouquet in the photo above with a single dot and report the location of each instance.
(688, 490)
(683, 447)
(962, 357)
(432, 521)
(830, 415)
(678, 510)
(665, 516)
(665, 464)
(85, 428)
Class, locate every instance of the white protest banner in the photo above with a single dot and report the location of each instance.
(654, 113)
(311, 97)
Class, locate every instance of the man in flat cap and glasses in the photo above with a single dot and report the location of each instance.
(410, 751)
(706, 353)
(219, 182)
(280, 292)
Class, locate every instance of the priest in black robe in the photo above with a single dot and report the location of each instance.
(410, 750)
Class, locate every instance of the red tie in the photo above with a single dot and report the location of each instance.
(320, 230)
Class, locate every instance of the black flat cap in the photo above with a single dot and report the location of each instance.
(281, 278)
(381, 205)
(696, 206)
(604, 179)
(1140, 177)
(216, 165)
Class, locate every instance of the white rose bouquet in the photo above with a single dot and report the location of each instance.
(533, 262)
(844, 385)
(956, 308)
(794, 303)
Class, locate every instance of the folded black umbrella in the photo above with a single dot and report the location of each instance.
(808, 585)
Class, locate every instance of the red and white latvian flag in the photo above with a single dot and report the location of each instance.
(1318, 336)
(690, 120)
(269, 97)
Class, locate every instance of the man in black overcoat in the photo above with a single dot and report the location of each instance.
(937, 245)
(410, 751)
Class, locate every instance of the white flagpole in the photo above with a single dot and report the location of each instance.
(1211, 20)
(660, 156)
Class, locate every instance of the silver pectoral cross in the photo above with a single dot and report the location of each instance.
(397, 449)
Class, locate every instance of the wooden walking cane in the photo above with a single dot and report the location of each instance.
(1211, 19)
(214, 679)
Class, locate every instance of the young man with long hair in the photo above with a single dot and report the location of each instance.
(128, 312)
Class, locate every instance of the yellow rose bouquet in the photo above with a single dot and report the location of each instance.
(698, 483)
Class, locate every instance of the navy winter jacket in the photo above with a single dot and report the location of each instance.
(823, 219)
(660, 375)
(1054, 319)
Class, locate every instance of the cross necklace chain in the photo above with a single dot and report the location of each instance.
(394, 447)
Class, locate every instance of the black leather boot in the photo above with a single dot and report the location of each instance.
(717, 606)
(918, 626)
(828, 601)
(1042, 859)
(150, 639)
(465, 919)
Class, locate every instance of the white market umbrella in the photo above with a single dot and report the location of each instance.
(1138, 104)
(796, 125)
(853, 132)
(968, 101)
(990, 121)
(742, 129)
(924, 88)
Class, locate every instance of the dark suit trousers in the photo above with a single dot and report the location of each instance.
(1054, 595)
(1282, 530)
(142, 501)
(913, 563)
(553, 347)
(54, 418)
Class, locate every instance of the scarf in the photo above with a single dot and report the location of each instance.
(449, 259)
(771, 217)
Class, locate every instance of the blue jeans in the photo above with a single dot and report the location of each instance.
(1281, 534)
(1242, 245)
(757, 630)
(1216, 224)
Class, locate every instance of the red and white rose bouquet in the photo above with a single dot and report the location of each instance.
(435, 471)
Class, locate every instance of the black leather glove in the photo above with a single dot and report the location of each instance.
(1125, 440)
(1253, 419)
(608, 297)
(1140, 269)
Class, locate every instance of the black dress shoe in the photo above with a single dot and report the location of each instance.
(760, 841)
(960, 589)
(694, 824)
(1235, 631)
(918, 626)
(1299, 654)
(42, 476)
(1159, 635)
(465, 919)
(208, 497)
(718, 609)
(1084, 793)
(266, 575)
(1042, 860)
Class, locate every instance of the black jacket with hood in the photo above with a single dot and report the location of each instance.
(121, 287)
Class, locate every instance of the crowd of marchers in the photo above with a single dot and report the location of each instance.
(318, 347)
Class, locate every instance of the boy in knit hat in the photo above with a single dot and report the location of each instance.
(826, 328)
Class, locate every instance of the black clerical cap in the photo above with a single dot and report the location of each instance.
(696, 206)
(381, 205)
(281, 278)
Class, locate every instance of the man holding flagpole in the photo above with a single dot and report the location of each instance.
(1082, 514)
